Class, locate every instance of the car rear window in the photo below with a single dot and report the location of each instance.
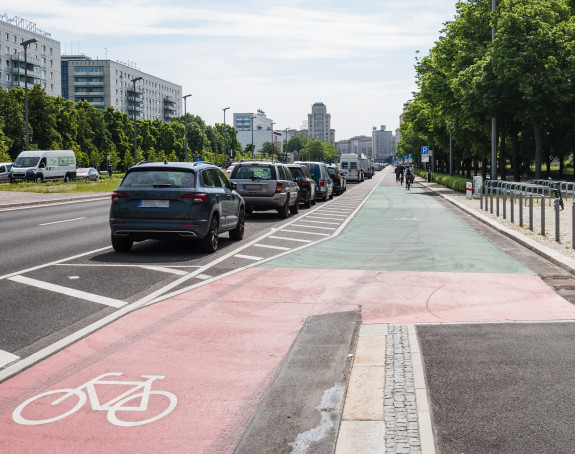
(256, 171)
(159, 178)
(296, 172)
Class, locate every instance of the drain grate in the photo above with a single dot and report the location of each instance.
(556, 276)
(564, 286)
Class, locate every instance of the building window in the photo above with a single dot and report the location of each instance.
(51, 51)
(7, 36)
(43, 50)
(7, 50)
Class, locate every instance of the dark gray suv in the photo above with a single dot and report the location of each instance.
(175, 200)
(266, 186)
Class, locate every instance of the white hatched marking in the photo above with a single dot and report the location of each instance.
(248, 257)
(290, 239)
(279, 248)
(69, 291)
(203, 277)
(306, 233)
(322, 222)
(313, 227)
(7, 358)
(164, 269)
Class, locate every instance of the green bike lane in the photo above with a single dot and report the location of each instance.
(217, 351)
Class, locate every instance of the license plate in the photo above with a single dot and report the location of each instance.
(252, 187)
(154, 204)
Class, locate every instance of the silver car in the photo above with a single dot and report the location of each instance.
(5, 168)
(266, 186)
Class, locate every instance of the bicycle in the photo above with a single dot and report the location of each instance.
(88, 390)
(408, 181)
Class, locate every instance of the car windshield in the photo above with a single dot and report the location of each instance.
(159, 179)
(248, 172)
(28, 161)
(331, 171)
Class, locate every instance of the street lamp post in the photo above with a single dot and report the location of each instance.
(185, 129)
(252, 120)
(286, 143)
(135, 125)
(26, 44)
(273, 146)
(225, 138)
(493, 119)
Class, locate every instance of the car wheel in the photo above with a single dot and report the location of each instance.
(283, 212)
(307, 203)
(249, 210)
(67, 178)
(313, 198)
(238, 233)
(210, 241)
(294, 209)
(40, 179)
(331, 195)
(121, 244)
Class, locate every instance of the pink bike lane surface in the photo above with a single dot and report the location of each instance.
(219, 347)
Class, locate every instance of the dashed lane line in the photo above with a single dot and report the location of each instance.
(60, 222)
(68, 291)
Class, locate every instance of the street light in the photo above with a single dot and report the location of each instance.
(26, 44)
(135, 126)
(252, 121)
(185, 129)
(493, 119)
(286, 142)
(273, 147)
(225, 141)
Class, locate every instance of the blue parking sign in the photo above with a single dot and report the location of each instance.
(425, 149)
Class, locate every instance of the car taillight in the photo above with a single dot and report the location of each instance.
(197, 198)
(321, 182)
(116, 196)
(304, 182)
(279, 187)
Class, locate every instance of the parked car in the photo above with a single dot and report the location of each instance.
(266, 185)
(339, 183)
(87, 173)
(320, 173)
(5, 168)
(43, 165)
(306, 184)
(164, 200)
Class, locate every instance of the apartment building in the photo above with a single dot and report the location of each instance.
(319, 124)
(42, 56)
(106, 83)
(360, 145)
(384, 144)
(254, 128)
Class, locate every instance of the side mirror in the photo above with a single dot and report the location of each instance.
(233, 185)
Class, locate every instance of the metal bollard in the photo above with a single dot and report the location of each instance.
(531, 212)
(520, 209)
(557, 227)
(491, 197)
(497, 213)
(542, 215)
(512, 207)
(481, 199)
(504, 204)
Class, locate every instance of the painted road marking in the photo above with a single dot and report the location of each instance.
(313, 227)
(306, 233)
(164, 269)
(290, 239)
(7, 358)
(248, 257)
(68, 291)
(60, 222)
(203, 277)
(322, 222)
(279, 248)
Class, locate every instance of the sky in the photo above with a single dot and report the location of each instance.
(355, 56)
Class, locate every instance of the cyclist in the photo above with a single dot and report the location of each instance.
(398, 172)
(408, 176)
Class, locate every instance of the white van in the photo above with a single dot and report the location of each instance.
(5, 171)
(42, 165)
(365, 166)
(349, 165)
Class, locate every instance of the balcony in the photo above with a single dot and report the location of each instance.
(89, 93)
(88, 73)
(79, 83)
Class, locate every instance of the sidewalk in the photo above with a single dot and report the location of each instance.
(18, 199)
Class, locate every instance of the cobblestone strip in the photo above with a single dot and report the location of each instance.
(400, 409)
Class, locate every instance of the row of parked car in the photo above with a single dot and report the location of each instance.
(197, 201)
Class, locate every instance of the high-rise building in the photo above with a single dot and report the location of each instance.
(42, 56)
(106, 83)
(319, 124)
(360, 145)
(384, 144)
(254, 126)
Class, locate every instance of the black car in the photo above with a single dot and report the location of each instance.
(339, 183)
(306, 183)
(161, 200)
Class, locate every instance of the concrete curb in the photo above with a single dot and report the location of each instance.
(22, 204)
(547, 253)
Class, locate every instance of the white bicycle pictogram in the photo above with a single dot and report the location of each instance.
(117, 404)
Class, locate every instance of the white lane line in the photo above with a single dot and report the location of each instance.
(322, 222)
(248, 257)
(7, 358)
(171, 269)
(306, 233)
(290, 239)
(279, 248)
(68, 291)
(203, 277)
(60, 222)
(164, 269)
(314, 227)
